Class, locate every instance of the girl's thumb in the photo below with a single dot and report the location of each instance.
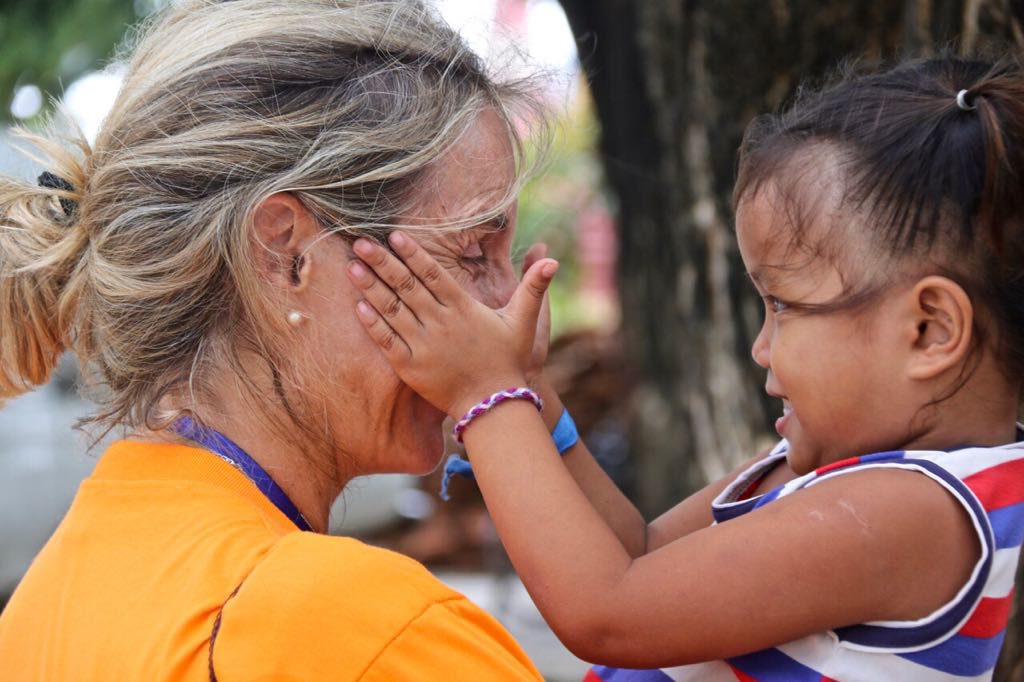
(529, 295)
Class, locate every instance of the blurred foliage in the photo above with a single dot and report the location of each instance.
(551, 203)
(50, 43)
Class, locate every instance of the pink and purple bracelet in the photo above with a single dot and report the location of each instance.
(564, 437)
(482, 407)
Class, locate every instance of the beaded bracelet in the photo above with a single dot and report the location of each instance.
(564, 436)
(485, 405)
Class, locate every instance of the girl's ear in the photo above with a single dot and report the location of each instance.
(944, 326)
(284, 229)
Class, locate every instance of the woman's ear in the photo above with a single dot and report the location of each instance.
(944, 326)
(284, 229)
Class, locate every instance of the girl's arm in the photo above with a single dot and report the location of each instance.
(637, 536)
(615, 509)
(871, 545)
(842, 552)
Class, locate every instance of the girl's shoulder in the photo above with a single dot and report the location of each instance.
(898, 544)
(950, 523)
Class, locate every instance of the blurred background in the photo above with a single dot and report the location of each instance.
(653, 317)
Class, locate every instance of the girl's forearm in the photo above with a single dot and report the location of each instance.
(634, 532)
(562, 548)
(614, 507)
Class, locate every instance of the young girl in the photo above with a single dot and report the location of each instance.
(881, 221)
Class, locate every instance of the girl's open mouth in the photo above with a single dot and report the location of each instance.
(780, 423)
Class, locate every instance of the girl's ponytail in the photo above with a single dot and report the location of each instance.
(997, 99)
(42, 240)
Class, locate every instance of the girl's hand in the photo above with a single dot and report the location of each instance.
(542, 339)
(448, 347)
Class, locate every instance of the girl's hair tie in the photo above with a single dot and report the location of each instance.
(961, 101)
(51, 181)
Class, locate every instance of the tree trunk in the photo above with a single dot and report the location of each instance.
(675, 83)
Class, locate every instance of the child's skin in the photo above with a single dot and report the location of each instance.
(867, 546)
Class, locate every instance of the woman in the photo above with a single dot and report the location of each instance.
(194, 260)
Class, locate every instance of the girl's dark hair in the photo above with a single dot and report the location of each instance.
(927, 176)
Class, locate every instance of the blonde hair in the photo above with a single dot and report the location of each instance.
(151, 280)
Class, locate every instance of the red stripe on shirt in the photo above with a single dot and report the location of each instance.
(837, 465)
(990, 618)
(740, 675)
(999, 486)
(749, 490)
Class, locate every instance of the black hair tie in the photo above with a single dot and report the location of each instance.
(51, 181)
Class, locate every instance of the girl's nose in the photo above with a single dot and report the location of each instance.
(760, 350)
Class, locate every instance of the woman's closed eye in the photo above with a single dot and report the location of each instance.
(474, 255)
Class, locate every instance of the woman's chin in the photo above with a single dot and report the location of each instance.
(427, 459)
(427, 449)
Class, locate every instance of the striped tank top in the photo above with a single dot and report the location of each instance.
(959, 642)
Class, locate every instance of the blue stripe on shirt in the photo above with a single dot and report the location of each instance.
(1007, 525)
(961, 655)
(771, 665)
(627, 675)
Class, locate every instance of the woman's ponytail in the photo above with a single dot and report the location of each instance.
(41, 245)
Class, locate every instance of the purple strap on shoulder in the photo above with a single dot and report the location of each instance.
(222, 446)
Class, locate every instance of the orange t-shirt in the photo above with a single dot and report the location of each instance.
(164, 544)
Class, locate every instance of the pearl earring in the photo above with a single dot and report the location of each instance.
(295, 318)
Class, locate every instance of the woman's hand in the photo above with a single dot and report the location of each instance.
(450, 348)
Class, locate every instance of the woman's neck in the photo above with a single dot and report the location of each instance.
(309, 476)
(309, 482)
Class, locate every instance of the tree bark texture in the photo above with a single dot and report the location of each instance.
(675, 83)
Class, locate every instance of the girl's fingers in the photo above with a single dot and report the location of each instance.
(528, 298)
(534, 254)
(393, 346)
(434, 278)
(384, 300)
(542, 338)
(406, 289)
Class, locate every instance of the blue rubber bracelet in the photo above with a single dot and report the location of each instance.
(455, 466)
(564, 436)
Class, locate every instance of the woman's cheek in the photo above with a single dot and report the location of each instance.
(497, 287)
(466, 280)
